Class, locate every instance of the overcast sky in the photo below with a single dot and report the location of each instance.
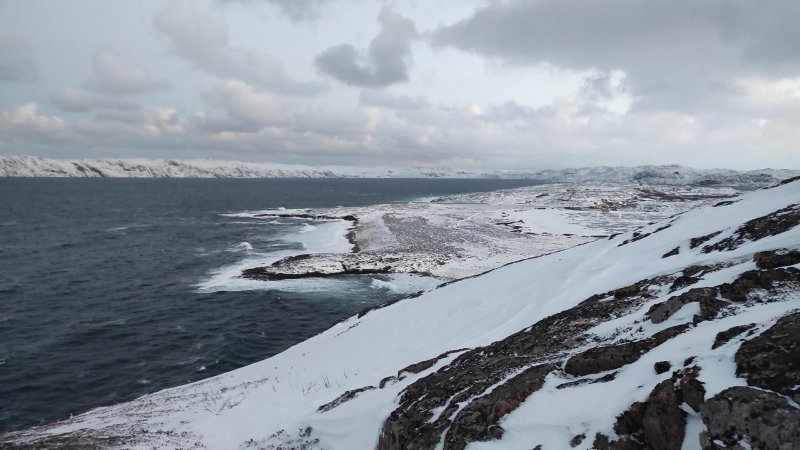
(464, 83)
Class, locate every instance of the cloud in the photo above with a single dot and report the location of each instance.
(202, 38)
(677, 55)
(27, 117)
(16, 63)
(267, 71)
(73, 100)
(370, 97)
(199, 37)
(114, 74)
(237, 106)
(296, 10)
(385, 61)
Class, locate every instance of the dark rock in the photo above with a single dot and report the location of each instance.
(601, 442)
(698, 241)
(478, 420)
(723, 337)
(709, 308)
(626, 291)
(430, 405)
(694, 270)
(672, 252)
(576, 440)
(428, 363)
(601, 359)
(659, 423)
(692, 390)
(604, 379)
(347, 396)
(385, 381)
(662, 311)
(764, 419)
(787, 181)
(771, 360)
(690, 276)
(758, 279)
(776, 258)
(662, 366)
(725, 203)
(770, 225)
(664, 423)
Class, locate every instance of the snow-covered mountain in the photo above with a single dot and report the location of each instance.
(31, 166)
(680, 335)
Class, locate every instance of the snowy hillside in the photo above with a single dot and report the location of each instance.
(30, 166)
(682, 334)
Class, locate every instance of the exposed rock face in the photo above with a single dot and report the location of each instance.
(663, 311)
(764, 420)
(759, 228)
(723, 337)
(771, 360)
(777, 258)
(465, 401)
(517, 365)
(601, 359)
(759, 279)
(659, 423)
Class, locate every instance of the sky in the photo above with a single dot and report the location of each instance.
(474, 84)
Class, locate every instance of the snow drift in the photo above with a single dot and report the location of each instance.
(682, 334)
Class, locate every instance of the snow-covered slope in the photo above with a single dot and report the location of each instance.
(649, 339)
(31, 166)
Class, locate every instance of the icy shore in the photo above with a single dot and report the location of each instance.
(681, 334)
(463, 235)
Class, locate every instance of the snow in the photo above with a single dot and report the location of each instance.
(32, 166)
(284, 392)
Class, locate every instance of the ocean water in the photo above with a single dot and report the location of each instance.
(112, 289)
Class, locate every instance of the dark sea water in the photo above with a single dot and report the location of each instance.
(101, 282)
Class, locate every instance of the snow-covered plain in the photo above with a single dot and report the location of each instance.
(276, 403)
(466, 234)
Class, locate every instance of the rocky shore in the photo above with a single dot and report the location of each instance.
(682, 334)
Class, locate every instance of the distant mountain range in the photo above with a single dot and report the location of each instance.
(31, 166)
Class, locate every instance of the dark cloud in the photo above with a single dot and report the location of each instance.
(677, 55)
(16, 64)
(385, 62)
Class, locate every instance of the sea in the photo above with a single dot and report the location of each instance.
(115, 288)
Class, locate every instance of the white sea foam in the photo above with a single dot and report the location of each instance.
(243, 246)
(324, 237)
(307, 228)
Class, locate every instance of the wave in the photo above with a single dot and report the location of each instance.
(327, 236)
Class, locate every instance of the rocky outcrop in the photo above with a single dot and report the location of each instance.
(770, 225)
(601, 359)
(771, 360)
(658, 423)
(752, 280)
(762, 420)
(776, 258)
(465, 400)
(492, 381)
